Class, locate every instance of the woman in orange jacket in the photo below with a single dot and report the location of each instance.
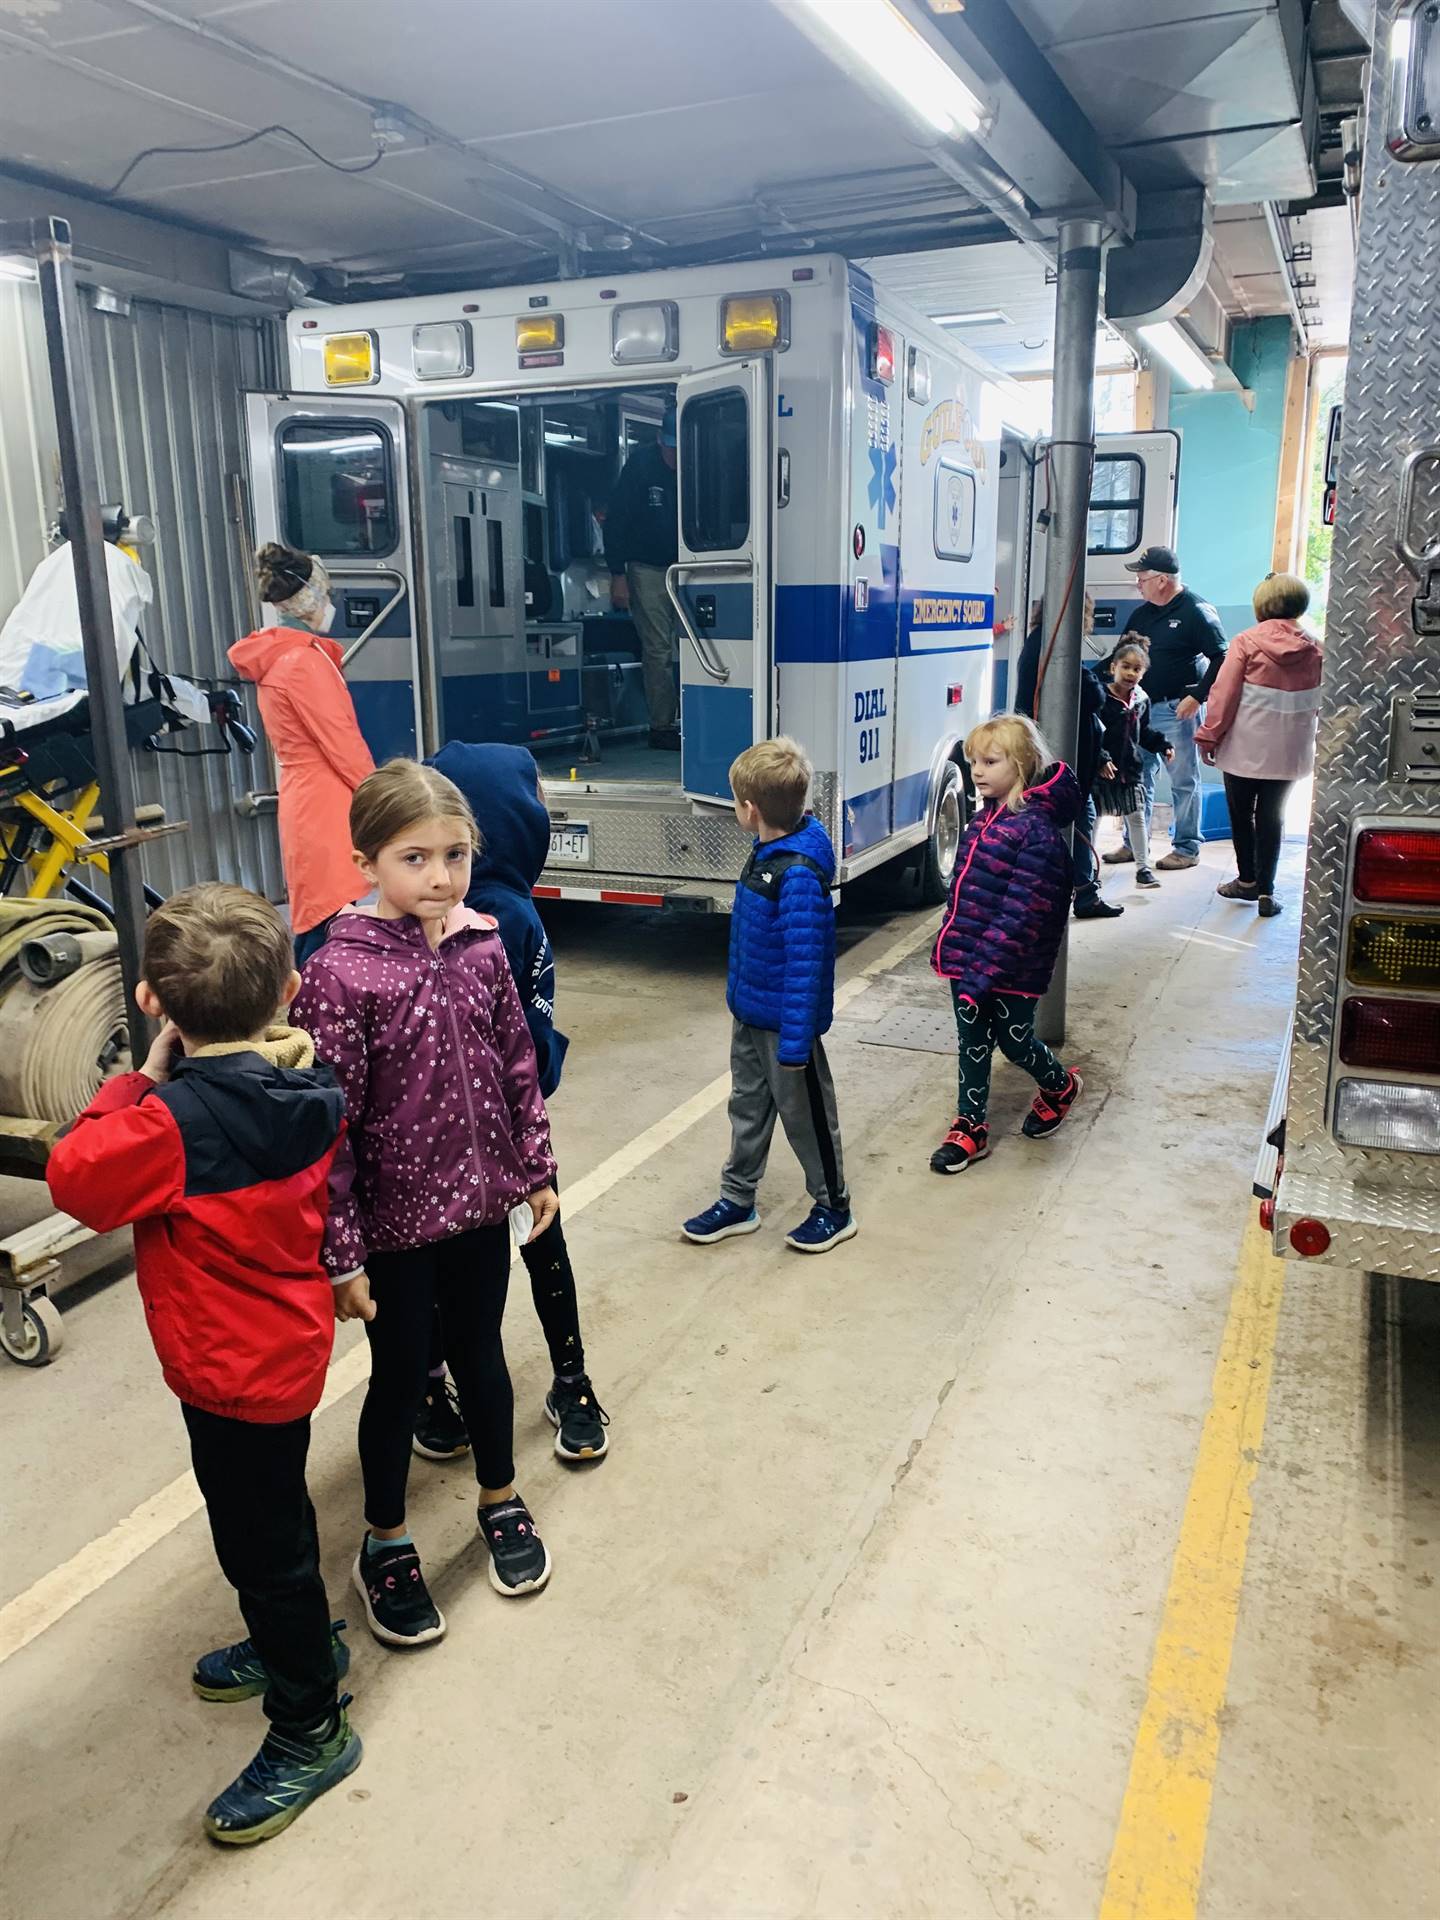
(309, 719)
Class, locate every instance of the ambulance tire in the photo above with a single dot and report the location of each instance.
(936, 865)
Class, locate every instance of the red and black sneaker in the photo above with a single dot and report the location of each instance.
(962, 1146)
(1048, 1110)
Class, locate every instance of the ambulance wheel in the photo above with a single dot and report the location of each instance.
(937, 858)
(40, 1335)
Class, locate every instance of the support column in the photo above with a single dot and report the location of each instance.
(80, 474)
(1072, 452)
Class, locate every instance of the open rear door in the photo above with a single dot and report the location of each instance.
(1133, 499)
(721, 586)
(330, 475)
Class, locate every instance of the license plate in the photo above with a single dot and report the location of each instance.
(570, 844)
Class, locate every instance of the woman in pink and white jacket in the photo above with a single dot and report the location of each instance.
(1260, 731)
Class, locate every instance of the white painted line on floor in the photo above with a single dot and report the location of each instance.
(29, 1614)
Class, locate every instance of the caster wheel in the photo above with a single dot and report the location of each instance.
(41, 1337)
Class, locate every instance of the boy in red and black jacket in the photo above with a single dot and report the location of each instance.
(219, 1152)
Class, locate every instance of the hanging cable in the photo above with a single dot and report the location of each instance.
(248, 140)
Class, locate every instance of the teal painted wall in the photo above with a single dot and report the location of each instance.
(1230, 473)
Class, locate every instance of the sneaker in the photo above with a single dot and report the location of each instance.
(519, 1559)
(1146, 877)
(579, 1420)
(720, 1222)
(238, 1672)
(1239, 890)
(1048, 1110)
(1117, 856)
(962, 1146)
(1094, 908)
(821, 1229)
(1269, 906)
(440, 1430)
(1177, 862)
(398, 1607)
(289, 1771)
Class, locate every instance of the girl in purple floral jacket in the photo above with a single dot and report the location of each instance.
(1002, 930)
(413, 1006)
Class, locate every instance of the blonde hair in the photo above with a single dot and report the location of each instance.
(1022, 744)
(218, 958)
(1281, 596)
(775, 777)
(400, 795)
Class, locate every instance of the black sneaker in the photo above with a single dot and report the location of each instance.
(398, 1607)
(238, 1672)
(962, 1146)
(519, 1559)
(440, 1430)
(1092, 907)
(579, 1420)
(1048, 1110)
(288, 1772)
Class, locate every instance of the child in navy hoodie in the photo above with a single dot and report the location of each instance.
(502, 785)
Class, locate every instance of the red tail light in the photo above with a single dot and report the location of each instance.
(882, 355)
(1403, 1035)
(1310, 1238)
(1399, 865)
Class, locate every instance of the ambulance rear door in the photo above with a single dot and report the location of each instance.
(1133, 498)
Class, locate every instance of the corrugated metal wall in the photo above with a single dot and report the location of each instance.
(167, 385)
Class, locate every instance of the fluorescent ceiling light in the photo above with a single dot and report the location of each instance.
(977, 317)
(1175, 350)
(900, 56)
(13, 267)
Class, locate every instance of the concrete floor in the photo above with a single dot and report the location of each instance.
(857, 1618)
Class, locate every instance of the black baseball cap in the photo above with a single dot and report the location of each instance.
(1154, 560)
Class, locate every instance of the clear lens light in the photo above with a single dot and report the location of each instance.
(903, 59)
(1175, 350)
(1387, 1117)
(442, 349)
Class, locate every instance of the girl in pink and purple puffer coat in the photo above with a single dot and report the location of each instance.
(413, 1006)
(1002, 930)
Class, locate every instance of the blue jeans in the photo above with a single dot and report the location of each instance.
(1184, 775)
(1082, 859)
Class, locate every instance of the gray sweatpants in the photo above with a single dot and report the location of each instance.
(762, 1091)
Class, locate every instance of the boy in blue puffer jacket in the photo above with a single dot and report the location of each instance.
(780, 990)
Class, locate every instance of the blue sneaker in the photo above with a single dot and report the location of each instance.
(288, 1772)
(720, 1222)
(238, 1672)
(823, 1229)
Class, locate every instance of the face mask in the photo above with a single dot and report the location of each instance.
(327, 619)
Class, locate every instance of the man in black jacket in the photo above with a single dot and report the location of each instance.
(642, 539)
(1187, 644)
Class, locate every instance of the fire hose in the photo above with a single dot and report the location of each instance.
(58, 1041)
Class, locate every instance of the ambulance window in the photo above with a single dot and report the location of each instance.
(338, 486)
(715, 438)
(1117, 503)
(954, 511)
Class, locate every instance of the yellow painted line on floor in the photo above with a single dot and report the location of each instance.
(55, 1594)
(1159, 1849)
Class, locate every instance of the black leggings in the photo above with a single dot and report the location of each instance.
(1006, 1021)
(552, 1288)
(1257, 826)
(466, 1279)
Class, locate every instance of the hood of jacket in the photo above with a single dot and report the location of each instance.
(1285, 642)
(271, 1118)
(258, 653)
(502, 785)
(362, 928)
(1056, 794)
(809, 838)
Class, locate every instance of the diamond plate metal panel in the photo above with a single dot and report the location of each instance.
(637, 839)
(913, 1030)
(1379, 1201)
